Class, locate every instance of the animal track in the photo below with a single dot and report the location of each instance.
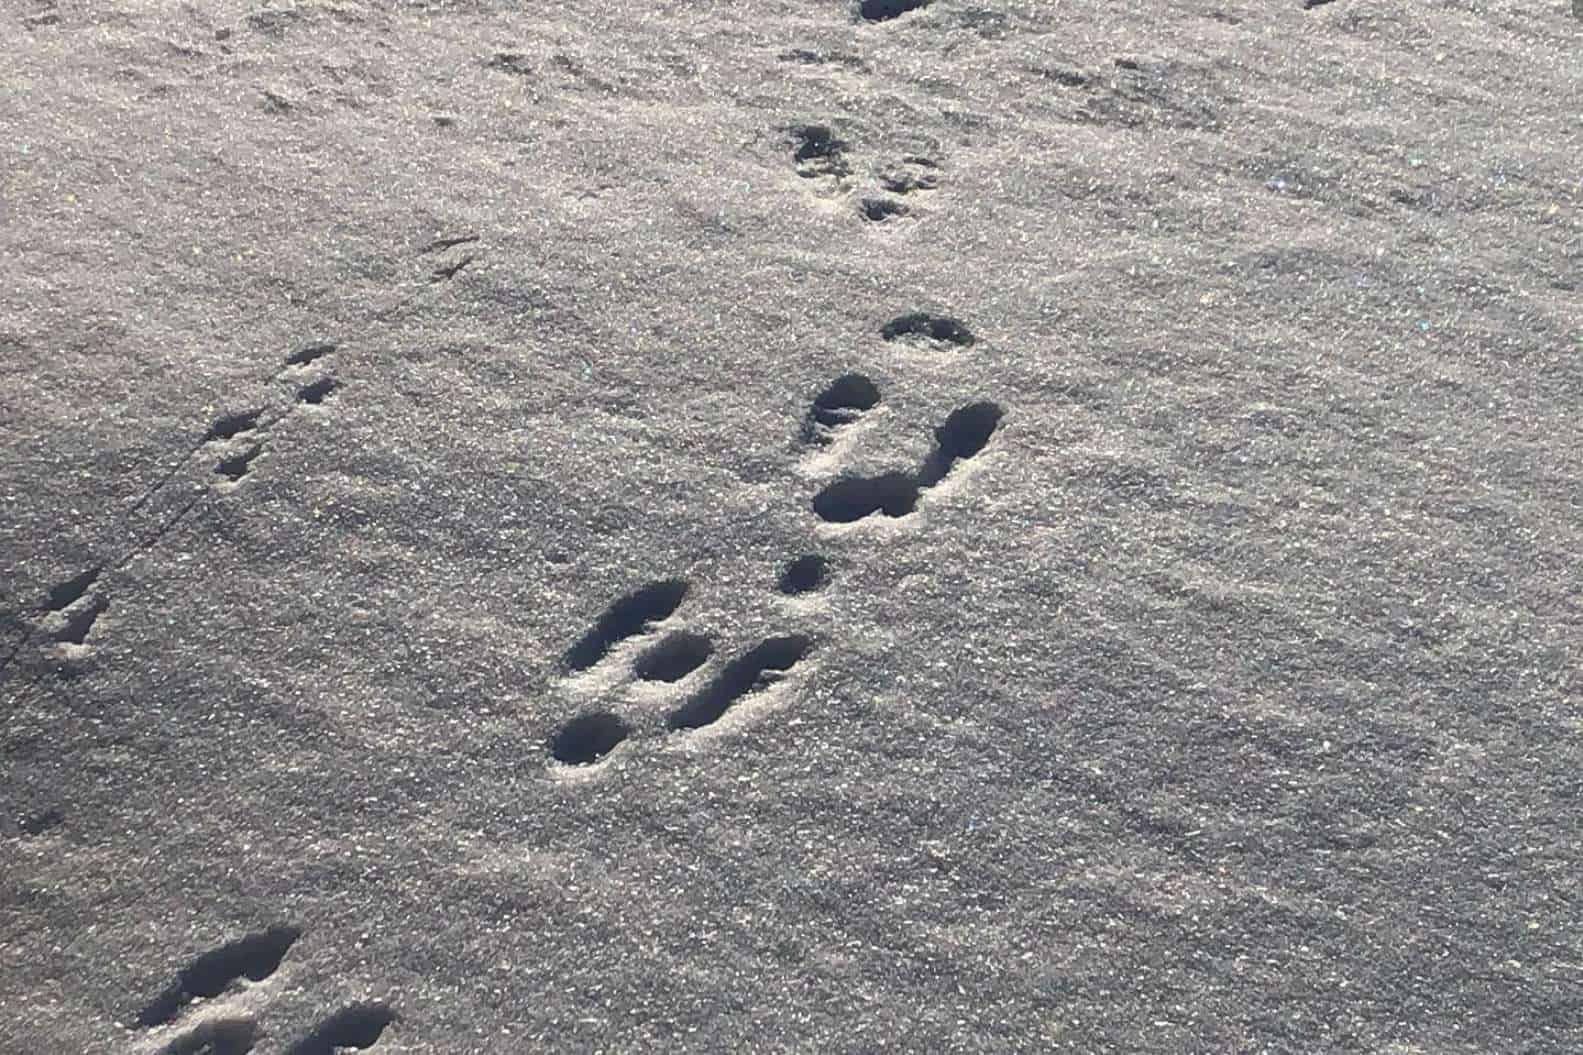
(879, 210)
(674, 658)
(446, 272)
(255, 957)
(229, 1036)
(238, 465)
(80, 622)
(914, 173)
(316, 392)
(627, 617)
(41, 821)
(741, 677)
(848, 500)
(965, 433)
(238, 441)
(309, 354)
(885, 10)
(72, 590)
(919, 324)
(587, 738)
(803, 575)
(810, 57)
(591, 736)
(228, 428)
(232, 425)
(512, 62)
(843, 402)
(819, 153)
(356, 1026)
(448, 243)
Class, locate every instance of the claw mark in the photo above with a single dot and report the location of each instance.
(627, 617)
(744, 675)
(587, 738)
(358, 1026)
(255, 957)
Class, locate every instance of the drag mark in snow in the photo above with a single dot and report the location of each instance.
(41, 821)
(513, 63)
(235, 439)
